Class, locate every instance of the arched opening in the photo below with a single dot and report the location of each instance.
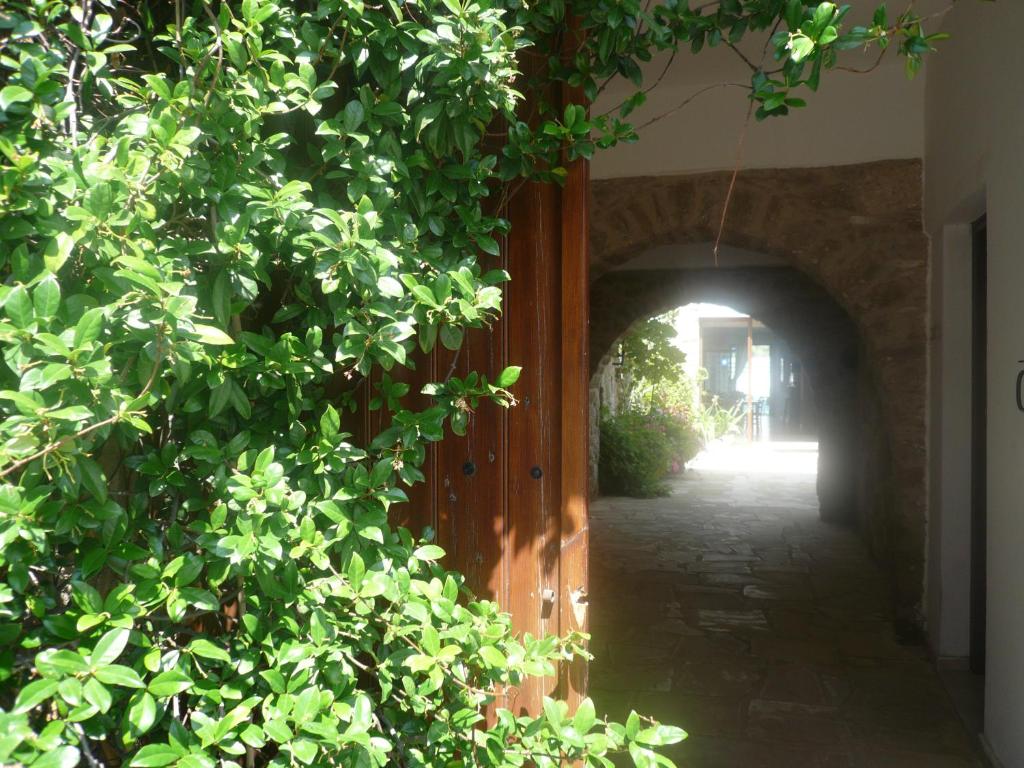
(731, 384)
(819, 333)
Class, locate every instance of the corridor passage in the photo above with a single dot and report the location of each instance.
(730, 610)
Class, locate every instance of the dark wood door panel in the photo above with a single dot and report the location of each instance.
(508, 500)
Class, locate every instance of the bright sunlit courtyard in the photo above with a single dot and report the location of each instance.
(736, 455)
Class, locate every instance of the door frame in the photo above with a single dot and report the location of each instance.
(979, 446)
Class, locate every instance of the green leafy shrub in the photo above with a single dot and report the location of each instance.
(640, 450)
(651, 436)
(216, 220)
(682, 436)
(678, 396)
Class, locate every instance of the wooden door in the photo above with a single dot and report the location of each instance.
(509, 500)
(979, 445)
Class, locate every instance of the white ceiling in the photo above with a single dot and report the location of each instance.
(853, 118)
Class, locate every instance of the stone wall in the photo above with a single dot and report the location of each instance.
(854, 235)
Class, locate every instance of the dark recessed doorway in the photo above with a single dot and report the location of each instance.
(979, 434)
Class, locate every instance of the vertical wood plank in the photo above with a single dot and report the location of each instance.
(471, 475)
(532, 311)
(574, 582)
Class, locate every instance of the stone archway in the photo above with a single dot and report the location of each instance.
(801, 313)
(855, 234)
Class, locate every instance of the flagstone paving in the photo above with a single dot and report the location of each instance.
(731, 610)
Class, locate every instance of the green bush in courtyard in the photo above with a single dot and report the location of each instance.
(217, 219)
(640, 450)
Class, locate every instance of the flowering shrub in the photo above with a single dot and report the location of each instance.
(216, 220)
(682, 436)
(640, 450)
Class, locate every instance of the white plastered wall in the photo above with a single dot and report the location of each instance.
(853, 118)
(974, 163)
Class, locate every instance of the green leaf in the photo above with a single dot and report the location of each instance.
(451, 337)
(823, 15)
(34, 694)
(116, 674)
(424, 295)
(18, 307)
(253, 736)
(25, 402)
(14, 94)
(509, 376)
(330, 422)
(208, 334)
(220, 396)
(109, 647)
(800, 47)
(154, 756)
(222, 298)
(63, 661)
(97, 694)
(46, 297)
(488, 245)
(74, 413)
(92, 477)
(632, 725)
(86, 596)
(304, 750)
(353, 116)
(642, 757)
(61, 757)
(89, 327)
(275, 680)
(429, 552)
(278, 731)
(553, 711)
(661, 735)
(158, 84)
(57, 251)
(794, 14)
(206, 649)
(142, 713)
(585, 716)
(420, 662)
(493, 657)
(307, 704)
(263, 460)
(356, 570)
(169, 683)
(388, 286)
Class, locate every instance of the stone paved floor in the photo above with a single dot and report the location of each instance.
(731, 610)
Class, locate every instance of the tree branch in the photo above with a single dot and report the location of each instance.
(690, 99)
(60, 443)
